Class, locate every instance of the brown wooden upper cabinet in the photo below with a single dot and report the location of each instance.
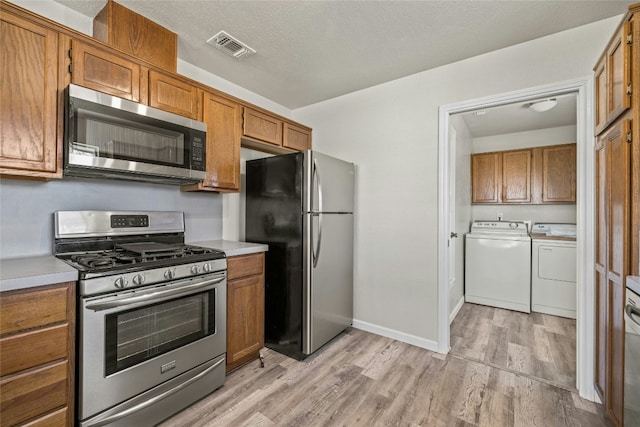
(486, 177)
(28, 99)
(541, 175)
(516, 176)
(263, 127)
(613, 78)
(296, 138)
(558, 173)
(171, 94)
(107, 72)
(223, 117)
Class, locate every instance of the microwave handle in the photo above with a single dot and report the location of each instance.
(154, 296)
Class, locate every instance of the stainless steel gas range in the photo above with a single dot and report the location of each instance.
(151, 315)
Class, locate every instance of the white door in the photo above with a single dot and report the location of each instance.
(452, 208)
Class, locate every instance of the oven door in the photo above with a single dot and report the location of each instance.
(135, 340)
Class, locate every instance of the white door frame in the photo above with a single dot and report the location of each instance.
(585, 206)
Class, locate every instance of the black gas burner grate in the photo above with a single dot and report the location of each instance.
(139, 254)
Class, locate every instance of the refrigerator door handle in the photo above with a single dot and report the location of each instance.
(318, 184)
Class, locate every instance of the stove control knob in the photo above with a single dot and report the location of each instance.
(206, 267)
(195, 269)
(138, 279)
(121, 282)
(168, 274)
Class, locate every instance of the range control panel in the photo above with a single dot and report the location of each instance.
(126, 221)
(506, 227)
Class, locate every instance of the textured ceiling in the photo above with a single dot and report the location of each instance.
(309, 51)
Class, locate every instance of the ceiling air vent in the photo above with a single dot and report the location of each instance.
(230, 45)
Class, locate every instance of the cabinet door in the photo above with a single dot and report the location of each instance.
(516, 176)
(245, 316)
(171, 94)
(28, 99)
(619, 73)
(262, 127)
(486, 177)
(618, 226)
(559, 174)
(223, 118)
(104, 71)
(602, 294)
(296, 138)
(600, 77)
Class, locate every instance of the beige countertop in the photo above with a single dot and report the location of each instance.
(29, 272)
(232, 248)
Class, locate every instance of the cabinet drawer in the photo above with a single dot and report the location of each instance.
(25, 396)
(245, 265)
(23, 351)
(22, 310)
(54, 419)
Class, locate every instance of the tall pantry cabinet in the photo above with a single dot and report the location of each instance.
(617, 131)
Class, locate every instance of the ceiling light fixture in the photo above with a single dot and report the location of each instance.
(544, 105)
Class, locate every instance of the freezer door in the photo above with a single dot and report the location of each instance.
(329, 183)
(274, 216)
(328, 307)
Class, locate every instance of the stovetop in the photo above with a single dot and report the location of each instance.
(135, 256)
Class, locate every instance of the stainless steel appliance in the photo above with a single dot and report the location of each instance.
(632, 354)
(301, 205)
(109, 137)
(151, 315)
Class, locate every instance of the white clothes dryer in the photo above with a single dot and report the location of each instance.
(553, 269)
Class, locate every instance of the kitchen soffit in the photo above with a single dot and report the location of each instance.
(309, 51)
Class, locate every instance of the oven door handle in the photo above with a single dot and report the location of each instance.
(155, 399)
(154, 296)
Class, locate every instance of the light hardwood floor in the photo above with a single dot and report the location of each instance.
(538, 345)
(362, 379)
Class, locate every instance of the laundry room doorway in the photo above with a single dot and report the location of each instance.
(451, 299)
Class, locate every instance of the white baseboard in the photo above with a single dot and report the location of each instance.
(456, 309)
(396, 335)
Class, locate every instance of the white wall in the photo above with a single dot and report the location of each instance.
(27, 207)
(391, 132)
(513, 141)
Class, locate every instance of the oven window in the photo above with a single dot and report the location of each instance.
(143, 333)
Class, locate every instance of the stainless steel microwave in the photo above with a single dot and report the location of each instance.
(110, 137)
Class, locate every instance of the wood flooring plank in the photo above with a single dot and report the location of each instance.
(403, 386)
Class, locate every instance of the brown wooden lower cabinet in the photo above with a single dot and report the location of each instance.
(245, 309)
(37, 336)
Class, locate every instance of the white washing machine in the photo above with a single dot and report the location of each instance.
(498, 265)
(553, 269)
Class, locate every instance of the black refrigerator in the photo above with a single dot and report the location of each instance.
(301, 205)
